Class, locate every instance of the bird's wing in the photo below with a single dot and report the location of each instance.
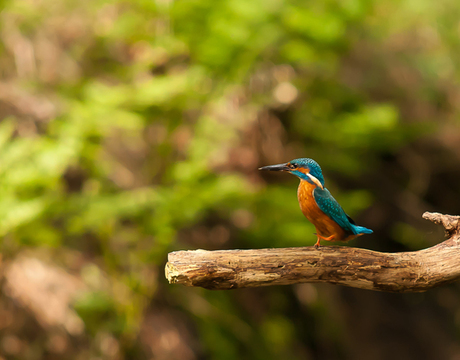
(331, 208)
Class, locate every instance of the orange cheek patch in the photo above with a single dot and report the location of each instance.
(303, 170)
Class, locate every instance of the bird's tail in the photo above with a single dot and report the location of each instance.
(360, 230)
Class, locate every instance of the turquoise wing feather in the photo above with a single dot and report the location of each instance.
(331, 208)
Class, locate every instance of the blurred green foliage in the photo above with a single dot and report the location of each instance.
(131, 129)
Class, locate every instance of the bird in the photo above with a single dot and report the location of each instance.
(317, 203)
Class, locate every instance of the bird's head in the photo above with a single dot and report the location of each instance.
(304, 168)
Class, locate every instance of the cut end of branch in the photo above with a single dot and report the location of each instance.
(171, 273)
(449, 222)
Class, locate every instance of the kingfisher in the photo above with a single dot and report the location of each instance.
(317, 203)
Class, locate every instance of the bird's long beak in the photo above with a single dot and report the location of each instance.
(278, 167)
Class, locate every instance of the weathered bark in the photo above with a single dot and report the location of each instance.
(396, 272)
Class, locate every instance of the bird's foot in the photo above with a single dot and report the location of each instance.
(329, 238)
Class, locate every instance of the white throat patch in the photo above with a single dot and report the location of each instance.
(316, 181)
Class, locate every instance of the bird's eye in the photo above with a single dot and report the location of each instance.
(292, 166)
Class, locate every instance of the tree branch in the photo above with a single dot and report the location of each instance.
(395, 272)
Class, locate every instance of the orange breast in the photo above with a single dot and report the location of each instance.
(324, 225)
